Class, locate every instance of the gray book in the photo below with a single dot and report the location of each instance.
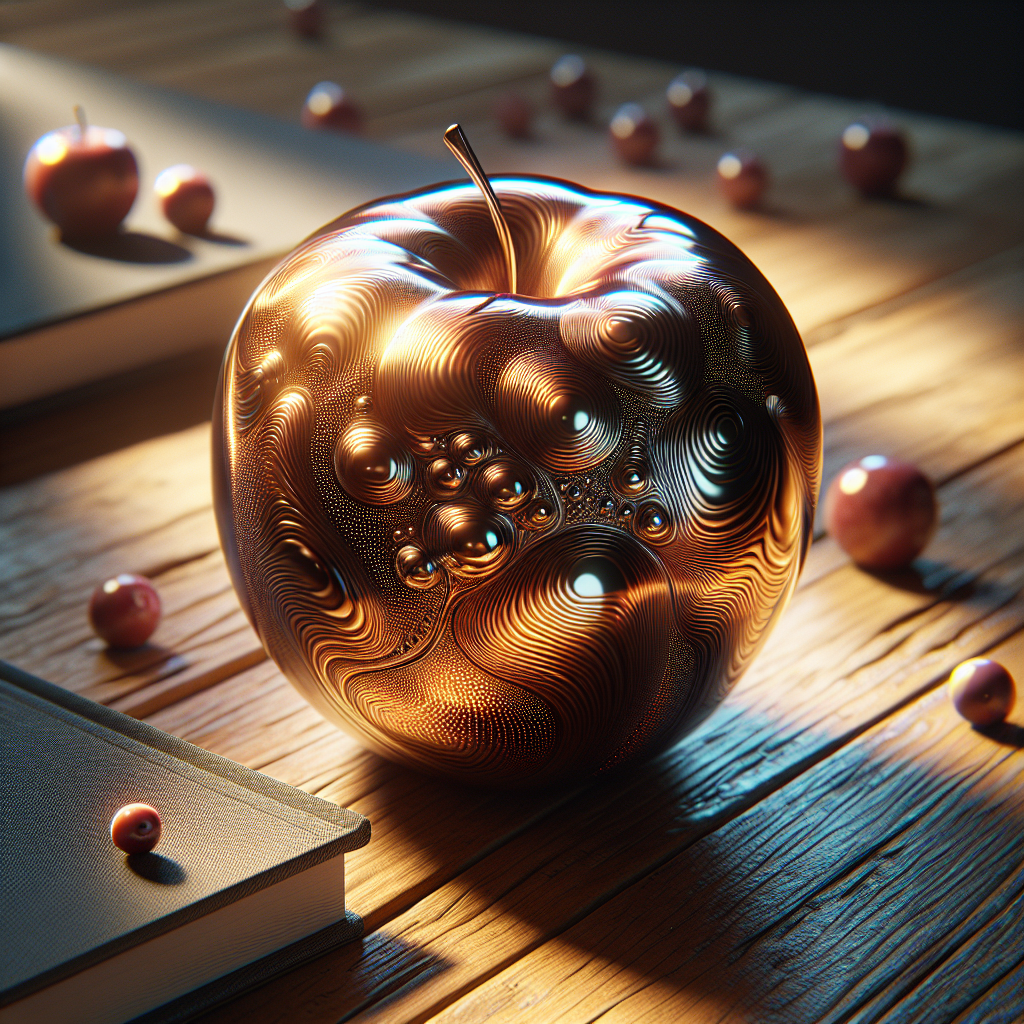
(69, 316)
(246, 882)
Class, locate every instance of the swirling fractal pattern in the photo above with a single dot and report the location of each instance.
(507, 538)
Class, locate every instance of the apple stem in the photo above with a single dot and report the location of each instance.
(80, 118)
(456, 141)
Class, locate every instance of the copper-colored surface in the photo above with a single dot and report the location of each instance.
(514, 538)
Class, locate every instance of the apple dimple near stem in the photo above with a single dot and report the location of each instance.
(455, 139)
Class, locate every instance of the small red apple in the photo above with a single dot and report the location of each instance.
(872, 155)
(329, 107)
(83, 178)
(633, 134)
(186, 198)
(982, 691)
(742, 178)
(573, 87)
(307, 17)
(881, 511)
(125, 610)
(136, 828)
(689, 100)
(514, 112)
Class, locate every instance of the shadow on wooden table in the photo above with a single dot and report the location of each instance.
(887, 874)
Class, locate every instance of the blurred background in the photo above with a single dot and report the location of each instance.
(963, 60)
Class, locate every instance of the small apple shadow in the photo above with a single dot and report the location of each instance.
(897, 198)
(130, 247)
(220, 238)
(1006, 733)
(154, 867)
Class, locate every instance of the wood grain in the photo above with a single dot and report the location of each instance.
(828, 901)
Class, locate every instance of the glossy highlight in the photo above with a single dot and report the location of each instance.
(515, 538)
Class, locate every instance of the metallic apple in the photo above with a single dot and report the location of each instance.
(514, 533)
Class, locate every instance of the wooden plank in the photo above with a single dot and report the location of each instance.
(827, 262)
(831, 900)
(515, 889)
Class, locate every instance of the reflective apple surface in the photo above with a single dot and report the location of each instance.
(515, 538)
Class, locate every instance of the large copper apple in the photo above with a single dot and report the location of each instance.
(520, 505)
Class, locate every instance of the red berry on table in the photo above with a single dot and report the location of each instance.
(872, 155)
(136, 828)
(307, 17)
(186, 198)
(633, 134)
(982, 690)
(329, 107)
(125, 610)
(573, 87)
(514, 112)
(742, 177)
(83, 178)
(881, 511)
(689, 101)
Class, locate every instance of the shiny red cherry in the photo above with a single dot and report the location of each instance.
(689, 101)
(307, 18)
(573, 86)
(633, 134)
(982, 691)
(84, 178)
(136, 828)
(881, 511)
(186, 198)
(514, 112)
(742, 177)
(125, 610)
(872, 155)
(329, 107)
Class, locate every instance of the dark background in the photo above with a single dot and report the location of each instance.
(963, 60)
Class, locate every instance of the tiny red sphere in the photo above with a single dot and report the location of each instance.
(689, 101)
(514, 112)
(742, 178)
(573, 87)
(329, 107)
(186, 198)
(881, 511)
(125, 610)
(307, 17)
(982, 691)
(872, 155)
(634, 135)
(136, 828)
(83, 178)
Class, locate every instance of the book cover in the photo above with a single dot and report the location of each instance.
(247, 879)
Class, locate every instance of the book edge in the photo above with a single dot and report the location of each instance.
(254, 974)
(355, 827)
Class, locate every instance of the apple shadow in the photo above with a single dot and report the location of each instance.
(221, 238)
(155, 867)
(130, 247)
(1006, 733)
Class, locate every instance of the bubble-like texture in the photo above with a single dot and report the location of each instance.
(514, 539)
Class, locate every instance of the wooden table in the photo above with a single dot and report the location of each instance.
(834, 844)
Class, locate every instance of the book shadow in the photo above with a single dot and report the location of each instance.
(155, 867)
(130, 247)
